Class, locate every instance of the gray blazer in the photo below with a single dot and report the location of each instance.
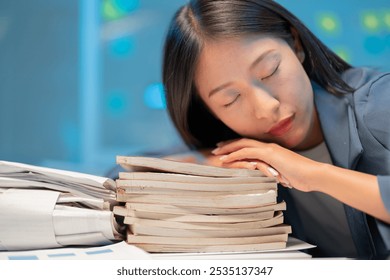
(356, 128)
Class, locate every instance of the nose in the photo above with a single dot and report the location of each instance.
(265, 104)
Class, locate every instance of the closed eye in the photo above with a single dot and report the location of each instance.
(232, 102)
(273, 72)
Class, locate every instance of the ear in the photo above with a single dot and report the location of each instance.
(297, 45)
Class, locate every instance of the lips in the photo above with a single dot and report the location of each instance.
(281, 127)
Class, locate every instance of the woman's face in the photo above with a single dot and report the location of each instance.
(257, 86)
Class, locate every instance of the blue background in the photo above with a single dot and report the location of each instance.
(80, 81)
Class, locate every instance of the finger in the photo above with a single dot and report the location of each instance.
(234, 145)
(267, 170)
(285, 182)
(271, 172)
(286, 185)
(241, 164)
(248, 153)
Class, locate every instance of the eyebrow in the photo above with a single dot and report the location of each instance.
(260, 58)
(253, 64)
(219, 88)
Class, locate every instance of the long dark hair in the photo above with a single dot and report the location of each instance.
(205, 19)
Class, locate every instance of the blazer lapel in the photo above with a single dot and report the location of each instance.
(339, 127)
(341, 136)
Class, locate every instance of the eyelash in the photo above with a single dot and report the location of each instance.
(231, 103)
(269, 76)
(238, 95)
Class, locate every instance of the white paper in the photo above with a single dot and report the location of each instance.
(117, 251)
(38, 219)
(83, 239)
(44, 170)
(290, 252)
(94, 203)
(26, 219)
(124, 251)
(72, 220)
(96, 181)
(28, 184)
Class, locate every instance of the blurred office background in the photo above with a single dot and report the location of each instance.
(80, 80)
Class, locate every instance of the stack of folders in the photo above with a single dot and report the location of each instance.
(178, 207)
(48, 208)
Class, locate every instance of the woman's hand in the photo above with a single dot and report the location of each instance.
(289, 168)
(204, 156)
(354, 188)
(214, 160)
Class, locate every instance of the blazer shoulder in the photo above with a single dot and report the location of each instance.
(371, 101)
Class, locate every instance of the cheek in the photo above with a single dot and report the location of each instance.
(234, 121)
(298, 94)
(238, 122)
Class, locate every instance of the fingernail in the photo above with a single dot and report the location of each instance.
(223, 157)
(285, 180)
(273, 172)
(215, 150)
(253, 163)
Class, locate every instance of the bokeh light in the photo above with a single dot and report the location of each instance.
(116, 9)
(371, 21)
(123, 47)
(343, 53)
(117, 103)
(329, 23)
(386, 19)
(154, 96)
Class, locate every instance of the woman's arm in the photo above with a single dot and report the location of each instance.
(353, 188)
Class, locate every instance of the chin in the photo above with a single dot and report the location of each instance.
(290, 146)
(291, 143)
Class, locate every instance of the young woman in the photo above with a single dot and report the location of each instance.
(248, 80)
